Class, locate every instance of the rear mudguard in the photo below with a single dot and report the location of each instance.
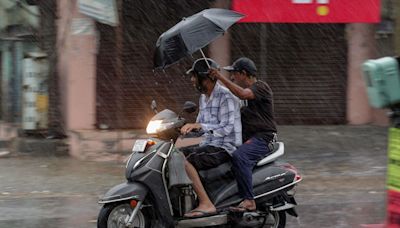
(292, 212)
(125, 191)
(286, 203)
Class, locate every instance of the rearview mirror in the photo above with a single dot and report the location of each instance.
(189, 107)
(154, 106)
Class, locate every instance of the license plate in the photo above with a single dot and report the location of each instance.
(140, 145)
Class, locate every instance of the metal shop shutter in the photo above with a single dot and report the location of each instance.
(305, 65)
(123, 101)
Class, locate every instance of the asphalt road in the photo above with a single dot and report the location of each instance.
(343, 169)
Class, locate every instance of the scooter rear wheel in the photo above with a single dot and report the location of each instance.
(116, 215)
(276, 219)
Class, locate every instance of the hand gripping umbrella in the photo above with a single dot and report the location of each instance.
(191, 34)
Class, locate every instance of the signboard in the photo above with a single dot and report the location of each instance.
(104, 11)
(82, 26)
(393, 179)
(309, 11)
(35, 92)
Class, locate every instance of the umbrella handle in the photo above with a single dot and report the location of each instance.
(205, 59)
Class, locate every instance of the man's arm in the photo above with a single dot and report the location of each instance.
(242, 93)
(193, 126)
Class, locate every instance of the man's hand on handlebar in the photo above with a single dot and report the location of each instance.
(190, 127)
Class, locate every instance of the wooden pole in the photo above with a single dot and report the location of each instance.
(119, 39)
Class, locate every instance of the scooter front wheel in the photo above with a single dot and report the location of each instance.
(117, 215)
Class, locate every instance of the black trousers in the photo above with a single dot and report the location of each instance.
(205, 157)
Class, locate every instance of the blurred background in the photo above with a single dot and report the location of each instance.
(77, 82)
(93, 62)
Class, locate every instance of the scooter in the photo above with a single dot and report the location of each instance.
(158, 191)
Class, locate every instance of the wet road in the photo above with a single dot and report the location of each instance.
(344, 172)
(53, 192)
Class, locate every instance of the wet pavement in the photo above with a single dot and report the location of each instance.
(344, 174)
(53, 192)
(343, 169)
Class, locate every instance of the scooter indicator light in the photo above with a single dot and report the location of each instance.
(151, 143)
(133, 203)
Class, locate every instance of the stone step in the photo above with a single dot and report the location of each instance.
(40, 147)
(4, 143)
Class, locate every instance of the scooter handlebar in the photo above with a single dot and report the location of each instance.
(193, 134)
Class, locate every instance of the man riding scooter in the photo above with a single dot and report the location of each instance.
(219, 118)
(259, 128)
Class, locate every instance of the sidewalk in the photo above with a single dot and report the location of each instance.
(116, 145)
(333, 138)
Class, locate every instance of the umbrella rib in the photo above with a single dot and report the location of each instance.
(205, 59)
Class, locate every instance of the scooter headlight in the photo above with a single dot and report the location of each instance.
(156, 126)
(153, 126)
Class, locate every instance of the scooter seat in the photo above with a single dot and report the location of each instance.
(222, 171)
(278, 151)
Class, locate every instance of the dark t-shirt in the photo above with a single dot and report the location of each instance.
(258, 115)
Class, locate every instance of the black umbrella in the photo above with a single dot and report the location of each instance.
(191, 34)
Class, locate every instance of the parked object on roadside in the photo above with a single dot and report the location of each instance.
(4, 154)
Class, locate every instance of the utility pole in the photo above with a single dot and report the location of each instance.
(396, 7)
(119, 50)
(119, 39)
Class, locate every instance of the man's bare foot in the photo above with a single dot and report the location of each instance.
(245, 205)
(201, 211)
(250, 204)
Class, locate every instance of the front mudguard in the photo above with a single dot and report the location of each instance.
(125, 191)
(138, 191)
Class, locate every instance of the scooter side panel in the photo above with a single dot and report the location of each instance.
(265, 179)
(150, 174)
(270, 179)
(142, 157)
(159, 197)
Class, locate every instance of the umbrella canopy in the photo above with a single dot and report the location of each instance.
(192, 34)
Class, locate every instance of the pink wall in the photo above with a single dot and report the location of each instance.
(361, 46)
(219, 50)
(77, 66)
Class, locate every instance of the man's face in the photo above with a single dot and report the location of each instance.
(196, 84)
(194, 80)
(238, 78)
